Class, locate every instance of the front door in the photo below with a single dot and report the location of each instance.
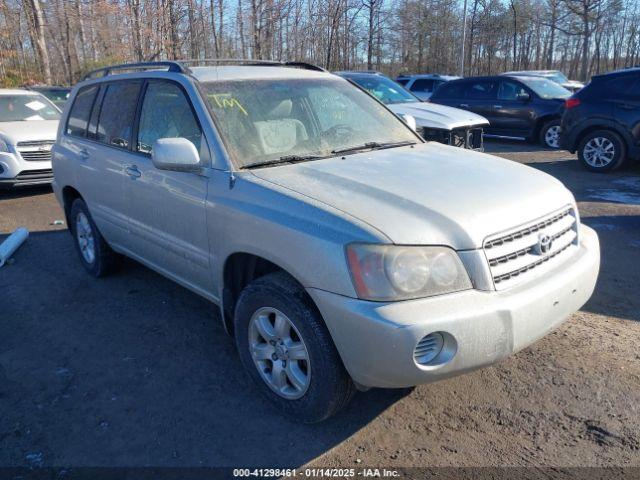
(166, 209)
(512, 112)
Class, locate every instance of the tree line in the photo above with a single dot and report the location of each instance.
(57, 41)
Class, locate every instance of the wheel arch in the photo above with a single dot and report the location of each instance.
(240, 269)
(69, 195)
(593, 127)
(542, 120)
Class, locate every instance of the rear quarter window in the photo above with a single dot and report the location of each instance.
(80, 111)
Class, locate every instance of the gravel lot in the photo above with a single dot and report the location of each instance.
(133, 370)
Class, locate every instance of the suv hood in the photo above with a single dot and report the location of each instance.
(433, 115)
(430, 194)
(14, 132)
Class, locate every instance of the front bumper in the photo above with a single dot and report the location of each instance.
(16, 171)
(376, 340)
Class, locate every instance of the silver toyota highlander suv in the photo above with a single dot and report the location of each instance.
(343, 250)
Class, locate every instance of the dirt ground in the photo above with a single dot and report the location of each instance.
(133, 370)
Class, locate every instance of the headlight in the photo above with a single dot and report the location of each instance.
(3, 146)
(391, 272)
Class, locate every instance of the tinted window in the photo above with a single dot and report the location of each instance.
(80, 111)
(621, 86)
(451, 90)
(117, 113)
(510, 91)
(422, 85)
(402, 81)
(482, 89)
(166, 113)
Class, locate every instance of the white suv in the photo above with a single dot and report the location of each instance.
(343, 250)
(28, 127)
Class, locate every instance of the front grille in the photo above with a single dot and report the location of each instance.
(458, 137)
(513, 255)
(35, 151)
(41, 174)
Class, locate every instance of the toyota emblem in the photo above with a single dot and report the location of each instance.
(544, 244)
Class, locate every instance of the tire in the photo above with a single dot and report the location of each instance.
(311, 389)
(602, 151)
(550, 134)
(95, 254)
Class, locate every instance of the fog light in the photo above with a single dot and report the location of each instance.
(435, 349)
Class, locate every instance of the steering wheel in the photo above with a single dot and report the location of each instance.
(338, 132)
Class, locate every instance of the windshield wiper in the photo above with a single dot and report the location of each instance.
(283, 159)
(373, 146)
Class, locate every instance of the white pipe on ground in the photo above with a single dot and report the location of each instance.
(11, 244)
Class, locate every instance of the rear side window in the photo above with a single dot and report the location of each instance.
(451, 90)
(422, 85)
(167, 113)
(115, 124)
(482, 90)
(402, 81)
(627, 86)
(80, 111)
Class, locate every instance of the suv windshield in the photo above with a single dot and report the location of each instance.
(267, 120)
(18, 108)
(384, 89)
(546, 88)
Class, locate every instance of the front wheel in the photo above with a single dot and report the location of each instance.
(287, 350)
(601, 151)
(550, 134)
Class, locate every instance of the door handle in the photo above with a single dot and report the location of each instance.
(628, 106)
(497, 106)
(84, 154)
(133, 172)
(464, 105)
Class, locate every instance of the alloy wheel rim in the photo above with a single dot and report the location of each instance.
(279, 353)
(599, 152)
(552, 136)
(84, 236)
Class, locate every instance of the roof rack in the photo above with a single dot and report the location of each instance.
(180, 66)
(252, 62)
(170, 66)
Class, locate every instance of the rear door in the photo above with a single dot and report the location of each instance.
(624, 92)
(481, 96)
(166, 209)
(109, 136)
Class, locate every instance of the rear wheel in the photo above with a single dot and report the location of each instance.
(95, 254)
(287, 350)
(601, 151)
(550, 134)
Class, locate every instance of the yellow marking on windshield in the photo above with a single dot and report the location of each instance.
(225, 100)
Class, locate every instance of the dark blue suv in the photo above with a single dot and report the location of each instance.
(602, 121)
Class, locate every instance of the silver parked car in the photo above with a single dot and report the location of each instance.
(343, 251)
(28, 126)
(554, 75)
(438, 123)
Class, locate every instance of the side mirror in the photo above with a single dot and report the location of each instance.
(524, 97)
(410, 121)
(175, 154)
